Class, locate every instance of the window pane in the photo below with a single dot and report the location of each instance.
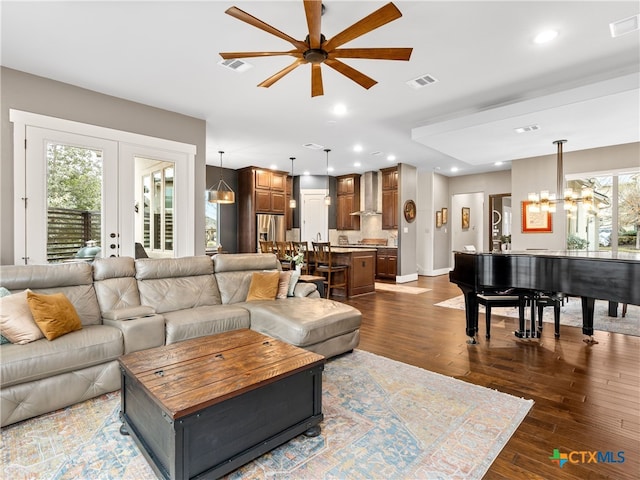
(74, 202)
(157, 210)
(211, 224)
(146, 221)
(168, 208)
(628, 212)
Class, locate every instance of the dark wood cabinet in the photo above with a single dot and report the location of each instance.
(362, 268)
(348, 201)
(387, 263)
(259, 191)
(390, 198)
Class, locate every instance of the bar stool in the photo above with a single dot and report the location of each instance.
(324, 266)
(267, 246)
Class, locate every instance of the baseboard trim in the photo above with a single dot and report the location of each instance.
(407, 278)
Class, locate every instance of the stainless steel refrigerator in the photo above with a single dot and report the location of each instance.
(270, 227)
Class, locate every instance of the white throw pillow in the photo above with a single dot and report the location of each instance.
(16, 321)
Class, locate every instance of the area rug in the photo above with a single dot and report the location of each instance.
(383, 419)
(571, 315)
(392, 287)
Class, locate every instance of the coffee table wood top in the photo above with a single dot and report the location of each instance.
(186, 377)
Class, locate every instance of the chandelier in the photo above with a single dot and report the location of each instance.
(222, 193)
(546, 201)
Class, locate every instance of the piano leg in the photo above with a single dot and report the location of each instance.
(471, 311)
(588, 308)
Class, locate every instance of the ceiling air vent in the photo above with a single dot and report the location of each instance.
(422, 81)
(624, 26)
(528, 128)
(313, 146)
(235, 65)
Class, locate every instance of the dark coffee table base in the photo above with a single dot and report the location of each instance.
(218, 439)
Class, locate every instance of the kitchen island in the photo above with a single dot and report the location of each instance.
(362, 268)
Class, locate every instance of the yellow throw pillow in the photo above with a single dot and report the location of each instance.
(264, 286)
(54, 314)
(16, 321)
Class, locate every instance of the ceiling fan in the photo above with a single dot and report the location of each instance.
(316, 49)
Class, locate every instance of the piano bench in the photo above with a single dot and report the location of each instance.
(490, 301)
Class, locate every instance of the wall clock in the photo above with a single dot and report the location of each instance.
(409, 211)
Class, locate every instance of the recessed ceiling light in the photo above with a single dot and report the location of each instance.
(306, 172)
(454, 169)
(340, 109)
(330, 169)
(624, 26)
(357, 164)
(273, 167)
(497, 164)
(545, 36)
(357, 148)
(391, 158)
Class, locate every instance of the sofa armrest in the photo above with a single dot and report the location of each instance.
(140, 333)
(303, 289)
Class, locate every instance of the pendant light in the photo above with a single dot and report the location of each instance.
(327, 198)
(222, 193)
(292, 201)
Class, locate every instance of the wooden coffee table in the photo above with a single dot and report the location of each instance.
(203, 407)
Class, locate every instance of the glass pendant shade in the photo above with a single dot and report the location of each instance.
(222, 192)
(292, 201)
(327, 198)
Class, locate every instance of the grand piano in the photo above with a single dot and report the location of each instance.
(589, 275)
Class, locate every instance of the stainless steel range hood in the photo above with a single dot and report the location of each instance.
(369, 183)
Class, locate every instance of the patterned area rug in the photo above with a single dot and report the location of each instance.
(392, 287)
(383, 419)
(571, 314)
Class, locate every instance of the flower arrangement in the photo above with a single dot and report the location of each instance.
(297, 259)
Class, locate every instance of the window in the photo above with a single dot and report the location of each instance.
(211, 225)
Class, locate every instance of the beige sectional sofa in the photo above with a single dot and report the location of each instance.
(127, 305)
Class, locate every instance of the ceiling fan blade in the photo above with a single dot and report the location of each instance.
(372, 53)
(352, 73)
(380, 17)
(251, 20)
(313, 10)
(316, 80)
(233, 55)
(274, 78)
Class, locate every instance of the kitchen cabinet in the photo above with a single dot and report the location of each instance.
(387, 263)
(362, 268)
(348, 201)
(389, 198)
(259, 191)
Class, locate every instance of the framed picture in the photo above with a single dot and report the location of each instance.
(445, 215)
(409, 211)
(535, 222)
(438, 218)
(466, 213)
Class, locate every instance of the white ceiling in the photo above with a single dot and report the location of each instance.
(492, 77)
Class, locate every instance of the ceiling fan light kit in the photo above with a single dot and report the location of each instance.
(317, 50)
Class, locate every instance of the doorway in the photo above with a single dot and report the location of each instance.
(313, 216)
(500, 218)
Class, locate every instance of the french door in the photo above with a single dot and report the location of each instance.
(72, 197)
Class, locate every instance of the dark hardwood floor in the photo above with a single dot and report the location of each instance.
(587, 397)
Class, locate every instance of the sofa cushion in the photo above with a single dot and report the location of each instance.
(205, 320)
(92, 345)
(303, 321)
(263, 286)
(115, 283)
(172, 284)
(283, 284)
(16, 321)
(54, 314)
(75, 280)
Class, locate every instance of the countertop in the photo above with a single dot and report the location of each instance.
(352, 249)
(360, 246)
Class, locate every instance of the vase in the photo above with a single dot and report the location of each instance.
(299, 268)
